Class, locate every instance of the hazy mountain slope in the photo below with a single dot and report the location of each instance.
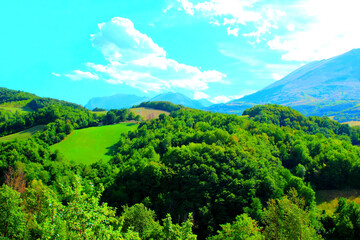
(178, 98)
(205, 102)
(328, 87)
(115, 102)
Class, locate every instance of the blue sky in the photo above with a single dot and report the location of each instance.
(215, 49)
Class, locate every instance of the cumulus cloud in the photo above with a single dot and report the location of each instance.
(236, 13)
(220, 99)
(328, 29)
(200, 95)
(135, 60)
(225, 99)
(77, 75)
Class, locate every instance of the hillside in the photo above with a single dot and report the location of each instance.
(211, 172)
(23, 134)
(329, 87)
(89, 145)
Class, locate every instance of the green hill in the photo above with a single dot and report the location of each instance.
(92, 144)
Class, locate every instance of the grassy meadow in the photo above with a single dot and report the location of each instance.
(148, 113)
(23, 134)
(89, 145)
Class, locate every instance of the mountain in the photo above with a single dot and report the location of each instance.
(329, 87)
(178, 98)
(115, 102)
(205, 102)
(128, 100)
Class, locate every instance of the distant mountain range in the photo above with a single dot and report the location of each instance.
(128, 100)
(117, 101)
(329, 87)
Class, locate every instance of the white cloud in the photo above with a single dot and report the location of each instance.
(328, 29)
(236, 13)
(290, 27)
(56, 74)
(225, 99)
(187, 6)
(220, 99)
(77, 75)
(233, 31)
(200, 95)
(276, 76)
(135, 60)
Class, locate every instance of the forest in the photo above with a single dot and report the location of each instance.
(191, 175)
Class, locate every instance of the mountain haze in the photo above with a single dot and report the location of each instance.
(128, 100)
(329, 87)
(178, 98)
(115, 102)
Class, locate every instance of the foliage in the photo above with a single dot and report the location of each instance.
(242, 228)
(160, 105)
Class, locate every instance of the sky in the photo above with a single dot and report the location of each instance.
(220, 50)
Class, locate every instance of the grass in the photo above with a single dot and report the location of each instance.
(328, 199)
(24, 134)
(14, 109)
(148, 113)
(92, 144)
(16, 106)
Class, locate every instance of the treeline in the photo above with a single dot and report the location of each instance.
(160, 105)
(7, 95)
(119, 115)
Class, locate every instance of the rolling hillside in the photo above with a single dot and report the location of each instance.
(92, 144)
(23, 134)
(329, 87)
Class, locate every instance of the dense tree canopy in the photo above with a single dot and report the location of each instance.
(190, 175)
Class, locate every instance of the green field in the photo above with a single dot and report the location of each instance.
(92, 144)
(16, 106)
(148, 113)
(24, 134)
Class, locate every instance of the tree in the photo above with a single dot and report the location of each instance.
(142, 220)
(242, 228)
(285, 218)
(12, 217)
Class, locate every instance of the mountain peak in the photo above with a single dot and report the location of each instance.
(312, 87)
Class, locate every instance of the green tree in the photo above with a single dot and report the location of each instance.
(242, 228)
(12, 217)
(285, 218)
